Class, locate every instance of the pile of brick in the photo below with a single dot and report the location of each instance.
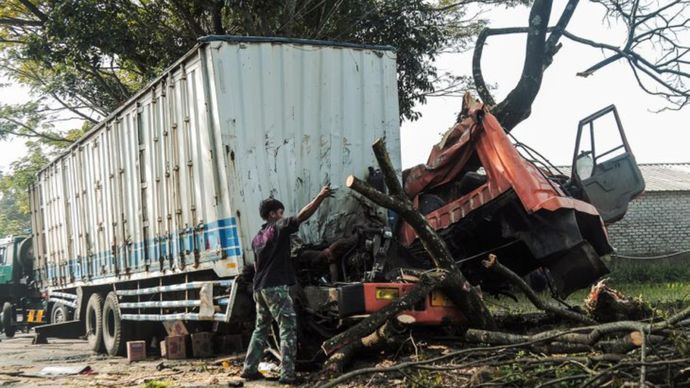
(180, 344)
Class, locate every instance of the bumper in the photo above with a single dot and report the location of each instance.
(366, 298)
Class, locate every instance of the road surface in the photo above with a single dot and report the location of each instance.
(21, 364)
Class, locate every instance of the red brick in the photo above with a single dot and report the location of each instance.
(229, 343)
(175, 347)
(136, 350)
(202, 344)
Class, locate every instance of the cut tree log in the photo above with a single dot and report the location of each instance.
(389, 335)
(564, 341)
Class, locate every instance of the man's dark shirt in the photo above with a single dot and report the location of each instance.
(272, 254)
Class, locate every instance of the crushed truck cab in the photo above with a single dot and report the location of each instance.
(483, 196)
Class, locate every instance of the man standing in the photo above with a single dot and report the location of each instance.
(272, 280)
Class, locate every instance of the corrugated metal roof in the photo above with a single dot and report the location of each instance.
(660, 176)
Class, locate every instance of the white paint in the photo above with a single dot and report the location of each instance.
(297, 117)
(225, 127)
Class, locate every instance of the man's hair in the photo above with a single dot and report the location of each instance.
(268, 205)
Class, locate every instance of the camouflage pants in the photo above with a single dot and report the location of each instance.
(274, 303)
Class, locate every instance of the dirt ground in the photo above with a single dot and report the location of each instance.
(21, 364)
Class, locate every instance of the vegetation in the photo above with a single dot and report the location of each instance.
(663, 270)
(82, 58)
(661, 295)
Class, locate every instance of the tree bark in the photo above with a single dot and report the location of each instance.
(457, 288)
(385, 336)
(492, 264)
(517, 106)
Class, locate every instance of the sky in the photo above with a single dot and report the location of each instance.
(11, 149)
(563, 100)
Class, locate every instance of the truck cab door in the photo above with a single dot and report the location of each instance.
(604, 169)
(5, 266)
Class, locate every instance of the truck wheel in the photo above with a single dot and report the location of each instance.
(9, 319)
(94, 323)
(59, 313)
(114, 336)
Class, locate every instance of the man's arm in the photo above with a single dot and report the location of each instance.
(311, 207)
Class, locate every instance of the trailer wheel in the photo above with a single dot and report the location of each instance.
(9, 319)
(59, 313)
(114, 336)
(94, 323)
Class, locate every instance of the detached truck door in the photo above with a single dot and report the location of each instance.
(604, 167)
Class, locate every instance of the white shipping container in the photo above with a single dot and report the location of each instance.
(171, 181)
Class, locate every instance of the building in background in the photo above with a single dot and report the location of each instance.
(658, 221)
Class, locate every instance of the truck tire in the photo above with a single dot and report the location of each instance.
(114, 333)
(9, 319)
(59, 313)
(94, 323)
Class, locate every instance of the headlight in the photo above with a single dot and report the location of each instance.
(387, 293)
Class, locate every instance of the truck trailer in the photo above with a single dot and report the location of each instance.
(149, 217)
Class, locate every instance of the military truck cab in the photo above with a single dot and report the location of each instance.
(20, 299)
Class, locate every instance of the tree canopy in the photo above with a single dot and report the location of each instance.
(656, 48)
(89, 56)
(83, 58)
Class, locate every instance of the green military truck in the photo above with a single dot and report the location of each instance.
(22, 306)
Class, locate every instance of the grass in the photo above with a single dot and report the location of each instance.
(666, 296)
(675, 269)
(157, 384)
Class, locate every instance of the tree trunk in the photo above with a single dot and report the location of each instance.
(457, 288)
(447, 275)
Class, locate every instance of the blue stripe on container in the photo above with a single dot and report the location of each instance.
(220, 234)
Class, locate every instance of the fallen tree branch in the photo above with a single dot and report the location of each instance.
(496, 356)
(447, 274)
(401, 366)
(427, 282)
(456, 287)
(389, 334)
(492, 264)
(568, 342)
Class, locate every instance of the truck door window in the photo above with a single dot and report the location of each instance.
(605, 173)
(584, 163)
(607, 139)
